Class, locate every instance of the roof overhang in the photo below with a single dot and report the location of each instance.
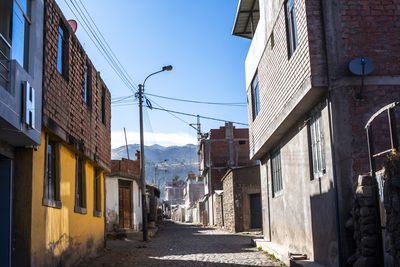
(247, 17)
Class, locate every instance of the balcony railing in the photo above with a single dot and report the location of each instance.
(4, 61)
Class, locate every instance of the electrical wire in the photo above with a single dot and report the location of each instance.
(86, 26)
(109, 47)
(95, 35)
(197, 102)
(238, 104)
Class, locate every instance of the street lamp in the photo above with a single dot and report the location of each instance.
(142, 166)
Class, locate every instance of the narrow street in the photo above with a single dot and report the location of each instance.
(178, 244)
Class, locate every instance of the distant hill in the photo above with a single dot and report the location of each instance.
(182, 160)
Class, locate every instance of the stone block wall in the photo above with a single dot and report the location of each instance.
(218, 212)
(366, 223)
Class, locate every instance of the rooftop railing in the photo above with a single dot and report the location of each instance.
(5, 48)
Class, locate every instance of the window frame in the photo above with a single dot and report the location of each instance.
(26, 14)
(87, 97)
(97, 211)
(103, 105)
(255, 96)
(54, 201)
(291, 27)
(316, 145)
(276, 173)
(80, 202)
(64, 51)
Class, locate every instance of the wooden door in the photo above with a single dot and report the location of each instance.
(125, 204)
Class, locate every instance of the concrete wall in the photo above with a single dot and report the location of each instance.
(63, 234)
(112, 204)
(14, 130)
(301, 219)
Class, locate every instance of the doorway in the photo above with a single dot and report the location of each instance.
(125, 204)
(255, 211)
(5, 222)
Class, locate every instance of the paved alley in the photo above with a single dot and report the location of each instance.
(179, 244)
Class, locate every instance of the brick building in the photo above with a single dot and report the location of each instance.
(123, 195)
(224, 148)
(60, 188)
(307, 113)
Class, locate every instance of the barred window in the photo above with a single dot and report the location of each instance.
(276, 172)
(80, 186)
(51, 192)
(317, 146)
(97, 192)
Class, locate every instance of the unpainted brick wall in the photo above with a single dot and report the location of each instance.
(64, 106)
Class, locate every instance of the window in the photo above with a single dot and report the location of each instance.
(97, 192)
(103, 105)
(51, 192)
(20, 30)
(276, 171)
(62, 46)
(291, 27)
(255, 97)
(80, 186)
(317, 146)
(88, 85)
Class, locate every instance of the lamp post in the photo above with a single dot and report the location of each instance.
(142, 162)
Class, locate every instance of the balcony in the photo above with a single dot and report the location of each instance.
(4, 62)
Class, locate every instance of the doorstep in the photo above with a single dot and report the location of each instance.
(281, 252)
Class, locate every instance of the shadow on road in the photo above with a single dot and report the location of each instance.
(178, 244)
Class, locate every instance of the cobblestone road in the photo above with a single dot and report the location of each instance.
(183, 245)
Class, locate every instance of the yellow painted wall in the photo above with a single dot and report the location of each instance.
(61, 233)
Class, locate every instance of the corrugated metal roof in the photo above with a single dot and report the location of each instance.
(247, 16)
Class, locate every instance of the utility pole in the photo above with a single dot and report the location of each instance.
(142, 162)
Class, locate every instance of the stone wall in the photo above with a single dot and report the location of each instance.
(218, 202)
(366, 223)
(391, 192)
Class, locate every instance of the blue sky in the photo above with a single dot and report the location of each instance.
(193, 36)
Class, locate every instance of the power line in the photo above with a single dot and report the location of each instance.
(105, 53)
(238, 104)
(203, 117)
(172, 114)
(105, 41)
(197, 102)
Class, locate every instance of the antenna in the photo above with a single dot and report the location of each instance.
(126, 143)
(361, 66)
(73, 24)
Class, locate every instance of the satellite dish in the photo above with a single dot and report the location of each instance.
(73, 24)
(361, 66)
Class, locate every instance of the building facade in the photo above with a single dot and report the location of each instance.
(61, 188)
(21, 66)
(224, 148)
(307, 112)
(123, 195)
(241, 201)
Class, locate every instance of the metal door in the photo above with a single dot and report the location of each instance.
(5, 222)
(255, 211)
(125, 204)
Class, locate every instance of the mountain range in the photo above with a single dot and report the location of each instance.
(181, 160)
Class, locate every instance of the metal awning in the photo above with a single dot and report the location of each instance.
(247, 16)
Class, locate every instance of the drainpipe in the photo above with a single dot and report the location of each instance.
(329, 105)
